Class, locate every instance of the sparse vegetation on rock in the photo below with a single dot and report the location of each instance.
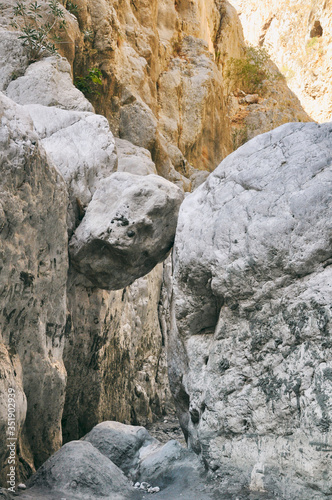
(90, 83)
(38, 30)
(250, 71)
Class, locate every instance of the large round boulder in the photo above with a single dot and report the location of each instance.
(129, 227)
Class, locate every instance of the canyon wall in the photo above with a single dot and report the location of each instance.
(75, 352)
(34, 265)
(164, 65)
(250, 345)
(298, 37)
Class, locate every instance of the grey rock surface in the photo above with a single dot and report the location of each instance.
(120, 443)
(48, 82)
(169, 464)
(33, 267)
(250, 346)
(81, 146)
(138, 124)
(84, 470)
(119, 370)
(128, 228)
(133, 159)
(79, 470)
(13, 58)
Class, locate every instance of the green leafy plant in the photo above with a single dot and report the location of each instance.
(73, 8)
(89, 35)
(249, 71)
(312, 42)
(90, 83)
(37, 26)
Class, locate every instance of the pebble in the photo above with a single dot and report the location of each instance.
(156, 489)
(22, 486)
(250, 99)
(146, 487)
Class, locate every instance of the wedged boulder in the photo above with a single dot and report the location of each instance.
(250, 347)
(78, 469)
(133, 159)
(129, 227)
(120, 443)
(48, 82)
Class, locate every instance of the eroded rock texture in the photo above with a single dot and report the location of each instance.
(82, 148)
(128, 228)
(164, 86)
(114, 355)
(250, 347)
(118, 370)
(162, 66)
(34, 267)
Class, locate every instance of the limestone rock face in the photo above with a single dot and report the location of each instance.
(250, 346)
(78, 469)
(163, 88)
(81, 146)
(298, 36)
(133, 159)
(193, 106)
(163, 65)
(48, 82)
(118, 371)
(15, 65)
(128, 228)
(34, 265)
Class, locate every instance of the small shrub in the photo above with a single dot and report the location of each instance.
(288, 72)
(89, 83)
(239, 137)
(89, 35)
(312, 42)
(73, 8)
(36, 30)
(250, 71)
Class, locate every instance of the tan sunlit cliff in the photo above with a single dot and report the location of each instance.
(298, 35)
